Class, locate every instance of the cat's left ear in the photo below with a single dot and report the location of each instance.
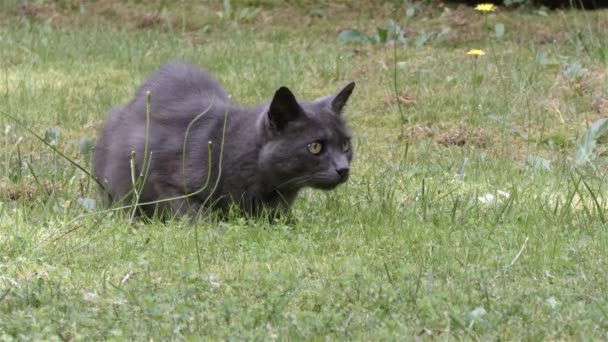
(283, 109)
(339, 100)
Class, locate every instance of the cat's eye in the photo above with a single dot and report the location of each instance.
(346, 145)
(315, 147)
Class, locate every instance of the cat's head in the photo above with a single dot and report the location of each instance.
(308, 142)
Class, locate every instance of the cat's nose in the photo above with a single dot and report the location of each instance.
(343, 172)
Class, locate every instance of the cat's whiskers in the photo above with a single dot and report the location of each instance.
(296, 180)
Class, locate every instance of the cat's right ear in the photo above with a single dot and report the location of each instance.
(283, 109)
(339, 100)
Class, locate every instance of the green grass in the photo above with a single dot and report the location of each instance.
(406, 249)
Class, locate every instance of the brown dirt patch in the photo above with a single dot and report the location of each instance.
(404, 97)
(600, 105)
(26, 189)
(447, 134)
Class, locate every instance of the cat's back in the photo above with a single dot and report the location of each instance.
(182, 79)
(179, 89)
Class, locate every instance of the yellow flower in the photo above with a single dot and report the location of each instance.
(485, 7)
(476, 52)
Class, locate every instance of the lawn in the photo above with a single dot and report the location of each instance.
(467, 215)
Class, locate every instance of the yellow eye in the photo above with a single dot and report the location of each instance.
(345, 145)
(315, 147)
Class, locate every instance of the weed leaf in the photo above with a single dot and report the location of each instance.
(353, 36)
(86, 145)
(537, 163)
(499, 30)
(227, 8)
(584, 150)
(87, 203)
(382, 34)
(51, 135)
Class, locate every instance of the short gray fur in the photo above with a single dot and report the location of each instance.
(266, 156)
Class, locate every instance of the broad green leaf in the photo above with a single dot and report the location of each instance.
(499, 30)
(248, 13)
(537, 163)
(51, 135)
(227, 8)
(584, 150)
(410, 12)
(318, 12)
(86, 145)
(87, 203)
(574, 70)
(353, 36)
(382, 35)
(395, 31)
(422, 38)
(478, 79)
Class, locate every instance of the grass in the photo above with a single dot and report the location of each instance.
(413, 246)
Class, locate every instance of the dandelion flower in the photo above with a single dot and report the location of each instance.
(476, 52)
(485, 8)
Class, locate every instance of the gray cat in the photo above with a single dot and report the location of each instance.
(202, 145)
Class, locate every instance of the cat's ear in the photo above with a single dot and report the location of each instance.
(283, 109)
(339, 100)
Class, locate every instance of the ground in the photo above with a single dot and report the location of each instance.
(467, 214)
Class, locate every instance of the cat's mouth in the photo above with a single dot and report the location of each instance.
(319, 180)
(327, 181)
